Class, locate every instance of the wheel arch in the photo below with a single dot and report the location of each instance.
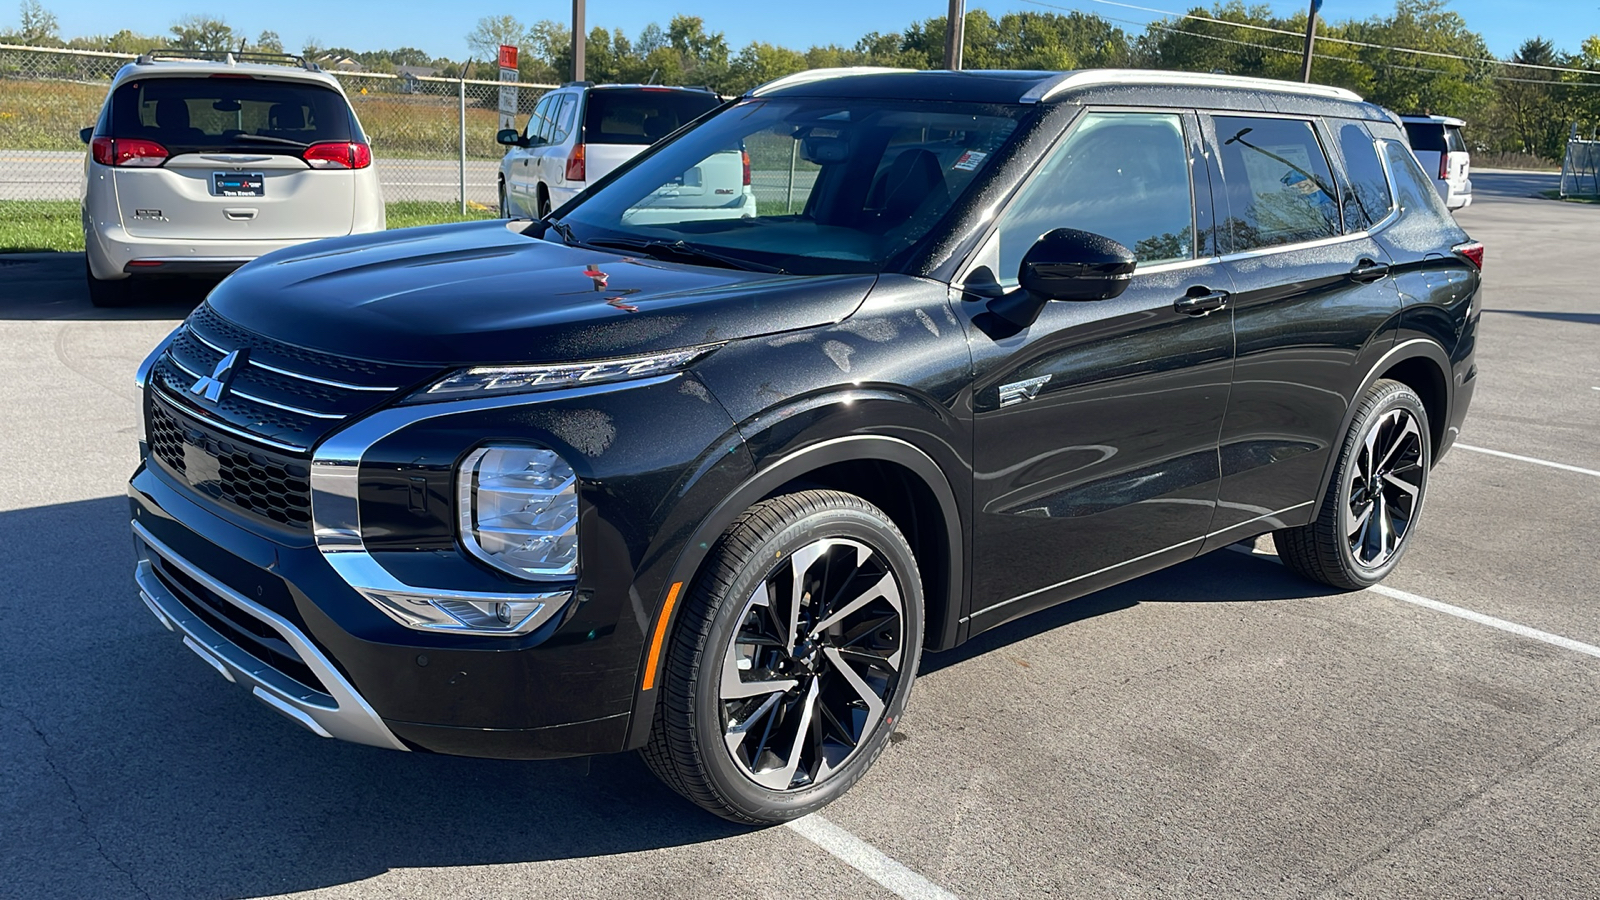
(889, 472)
(1421, 365)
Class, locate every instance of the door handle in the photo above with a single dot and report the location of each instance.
(1201, 301)
(1367, 271)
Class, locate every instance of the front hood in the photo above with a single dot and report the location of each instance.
(482, 293)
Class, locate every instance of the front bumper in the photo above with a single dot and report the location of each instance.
(341, 668)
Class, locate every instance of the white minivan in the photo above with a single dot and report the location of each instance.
(1437, 144)
(581, 132)
(197, 166)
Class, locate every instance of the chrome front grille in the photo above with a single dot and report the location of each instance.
(279, 395)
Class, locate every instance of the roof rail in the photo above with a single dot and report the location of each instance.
(229, 57)
(1048, 88)
(818, 75)
(567, 84)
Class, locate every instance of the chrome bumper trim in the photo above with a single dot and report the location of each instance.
(341, 713)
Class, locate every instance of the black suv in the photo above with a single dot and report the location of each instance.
(707, 487)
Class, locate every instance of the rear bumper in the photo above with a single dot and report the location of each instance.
(110, 249)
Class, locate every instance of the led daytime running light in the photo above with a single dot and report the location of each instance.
(490, 380)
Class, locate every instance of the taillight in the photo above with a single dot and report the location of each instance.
(1471, 252)
(127, 153)
(338, 155)
(746, 155)
(1444, 165)
(576, 170)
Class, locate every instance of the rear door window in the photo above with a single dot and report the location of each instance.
(642, 115)
(1121, 175)
(260, 115)
(1279, 187)
(1367, 198)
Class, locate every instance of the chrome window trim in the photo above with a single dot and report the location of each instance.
(336, 510)
(341, 713)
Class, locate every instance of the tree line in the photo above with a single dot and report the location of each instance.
(1509, 107)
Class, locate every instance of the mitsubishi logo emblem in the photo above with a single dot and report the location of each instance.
(213, 386)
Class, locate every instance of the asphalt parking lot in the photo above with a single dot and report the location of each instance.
(1221, 729)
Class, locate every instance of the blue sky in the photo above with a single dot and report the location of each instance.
(440, 27)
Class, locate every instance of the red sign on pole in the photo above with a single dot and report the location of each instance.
(508, 56)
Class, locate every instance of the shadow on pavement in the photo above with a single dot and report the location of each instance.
(1580, 318)
(128, 767)
(1218, 577)
(52, 286)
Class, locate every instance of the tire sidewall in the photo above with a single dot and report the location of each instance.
(731, 785)
(1398, 396)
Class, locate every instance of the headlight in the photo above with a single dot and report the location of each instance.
(494, 380)
(518, 510)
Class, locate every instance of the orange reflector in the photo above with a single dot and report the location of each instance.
(661, 635)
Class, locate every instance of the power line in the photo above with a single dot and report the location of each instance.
(1297, 52)
(1334, 40)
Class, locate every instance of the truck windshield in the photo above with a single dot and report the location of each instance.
(814, 186)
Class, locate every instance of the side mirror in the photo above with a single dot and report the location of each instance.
(1067, 264)
(510, 137)
(86, 134)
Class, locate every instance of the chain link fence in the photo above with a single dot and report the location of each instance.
(432, 140)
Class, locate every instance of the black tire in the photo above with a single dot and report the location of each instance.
(505, 213)
(1346, 546)
(112, 294)
(689, 746)
(543, 200)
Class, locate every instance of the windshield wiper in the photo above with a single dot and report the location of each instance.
(564, 230)
(268, 139)
(684, 251)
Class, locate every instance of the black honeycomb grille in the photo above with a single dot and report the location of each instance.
(269, 485)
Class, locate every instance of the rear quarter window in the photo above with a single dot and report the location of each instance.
(1424, 224)
(260, 115)
(1453, 139)
(641, 116)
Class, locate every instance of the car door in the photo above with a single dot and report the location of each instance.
(544, 154)
(1095, 428)
(525, 179)
(1314, 307)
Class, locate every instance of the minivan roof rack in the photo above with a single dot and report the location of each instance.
(230, 57)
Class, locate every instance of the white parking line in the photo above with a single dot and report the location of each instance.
(1530, 459)
(1459, 612)
(867, 859)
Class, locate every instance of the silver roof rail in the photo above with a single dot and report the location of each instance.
(226, 57)
(818, 75)
(1066, 81)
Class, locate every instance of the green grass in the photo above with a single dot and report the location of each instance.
(34, 225)
(1554, 194)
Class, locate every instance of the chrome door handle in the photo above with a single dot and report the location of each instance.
(1367, 271)
(1201, 301)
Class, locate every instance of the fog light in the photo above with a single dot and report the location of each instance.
(518, 511)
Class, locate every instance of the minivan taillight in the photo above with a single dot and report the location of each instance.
(1472, 252)
(127, 153)
(576, 169)
(746, 155)
(338, 155)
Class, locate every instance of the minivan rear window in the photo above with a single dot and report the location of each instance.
(229, 113)
(641, 116)
(1428, 136)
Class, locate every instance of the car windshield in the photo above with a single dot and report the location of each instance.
(813, 186)
(232, 113)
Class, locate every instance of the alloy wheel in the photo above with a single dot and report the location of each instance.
(1385, 488)
(813, 664)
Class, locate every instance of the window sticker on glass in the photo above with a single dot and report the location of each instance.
(970, 160)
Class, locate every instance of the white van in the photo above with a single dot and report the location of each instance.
(581, 132)
(1436, 143)
(197, 166)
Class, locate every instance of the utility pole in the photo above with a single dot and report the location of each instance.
(955, 34)
(1311, 37)
(577, 40)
